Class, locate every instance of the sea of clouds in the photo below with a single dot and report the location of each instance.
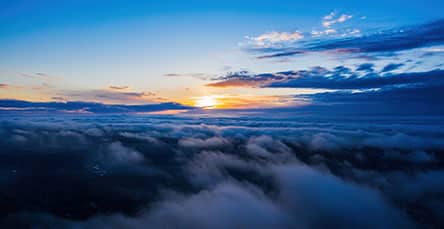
(123, 171)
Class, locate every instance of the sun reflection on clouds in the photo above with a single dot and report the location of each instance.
(207, 102)
(242, 101)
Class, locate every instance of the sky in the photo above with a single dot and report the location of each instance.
(223, 54)
(276, 114)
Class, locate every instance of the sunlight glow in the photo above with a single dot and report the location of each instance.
(206, 102)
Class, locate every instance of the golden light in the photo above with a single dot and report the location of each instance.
(206, 102)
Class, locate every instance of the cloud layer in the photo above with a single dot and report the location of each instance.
(305, 172)
(18, 106)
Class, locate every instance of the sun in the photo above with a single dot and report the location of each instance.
(206, 102)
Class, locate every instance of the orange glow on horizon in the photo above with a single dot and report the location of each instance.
(241, 101)
(207, 102)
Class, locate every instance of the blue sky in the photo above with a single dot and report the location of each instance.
(84, 50)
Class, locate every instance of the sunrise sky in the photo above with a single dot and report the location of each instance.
(226, 54)
(215, 114)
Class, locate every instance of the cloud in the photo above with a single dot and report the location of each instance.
(338, 78)
(327, 23)
(213, 142)
(231, 203)
(210, 168)
(139, 94)
(244, 206)
(329, 16)
(116, 153)
(132, 171)
(377, 43)
(9, 86)
(274, 37)
(316, 33)
(266, 147)
(236, 83)
(392, 40)
(282, 54)
(331, 19)
(84, 107)
(113, 96)
(118, 87)
(344, 17)
(234, 204)
(368, 67)
(308, 193)
(384, 91)
(414, 100)
(58, 98)
(35, 75)
(282, 44)
(391, 67)
(201, 76)
(246, 79)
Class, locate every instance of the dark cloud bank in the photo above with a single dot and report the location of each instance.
(360, 90)
(339, 78)
(168, 172)
(19, 106)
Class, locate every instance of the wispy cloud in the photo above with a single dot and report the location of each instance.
(246, 79)
(282, 54)
(2, 85)
(316, 33)
(293, 39)
(118, 87)
(58, 98)
(9, 86)
(112, 96)
(201, 76)
(41, 74)
(333, 18)
(36, 75)
(273, 38)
